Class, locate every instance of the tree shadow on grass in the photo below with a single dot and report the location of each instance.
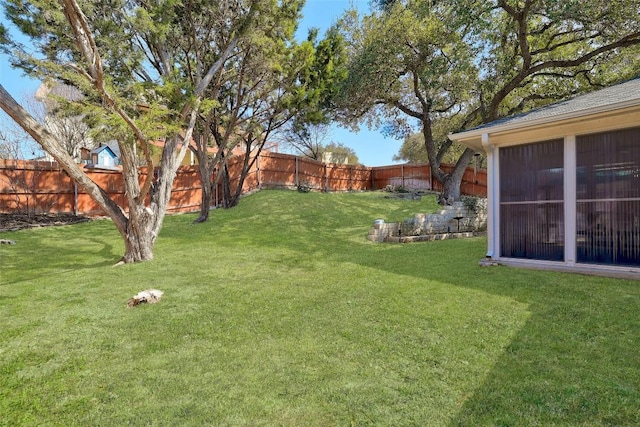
(26, 261)
(573, 361)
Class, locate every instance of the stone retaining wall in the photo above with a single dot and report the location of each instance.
(468, 216)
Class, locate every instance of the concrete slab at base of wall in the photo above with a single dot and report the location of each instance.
(587, 269)
(431, 237)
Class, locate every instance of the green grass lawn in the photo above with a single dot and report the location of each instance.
(280, 313)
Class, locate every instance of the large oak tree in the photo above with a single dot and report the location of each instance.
(457, 64)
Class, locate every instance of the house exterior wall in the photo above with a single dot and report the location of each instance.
(106, 159)
(597, 114)
(614, 248)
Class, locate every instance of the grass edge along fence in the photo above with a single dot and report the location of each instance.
(44, 187)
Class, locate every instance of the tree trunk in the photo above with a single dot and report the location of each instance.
(205, 201)
(228, 201)
(206, 174)
(140, 238)
(451, 191)
(243, 175)
(232, 198)
(451, 182)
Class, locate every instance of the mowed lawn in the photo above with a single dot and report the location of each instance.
(280, 312)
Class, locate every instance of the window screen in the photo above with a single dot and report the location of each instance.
(531, 201)
(608, 198)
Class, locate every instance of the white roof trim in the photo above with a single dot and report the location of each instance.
(478, 132)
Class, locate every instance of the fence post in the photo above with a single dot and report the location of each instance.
(258, 174)
(402, 175)
(75, 198)
(297, 178)
(373, 179)
(325, 178)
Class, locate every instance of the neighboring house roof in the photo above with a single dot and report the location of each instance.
(114, 147)
(102, 148)
(103, 157)
(616, 97)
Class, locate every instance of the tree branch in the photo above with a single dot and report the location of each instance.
(47, 141)
(408, 111)
(626, 41)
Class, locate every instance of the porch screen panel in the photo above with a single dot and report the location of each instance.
(608, 198)
(532, 201)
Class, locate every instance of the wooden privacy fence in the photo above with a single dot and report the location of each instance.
(44, 187)
(419, 177)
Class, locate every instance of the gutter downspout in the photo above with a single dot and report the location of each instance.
(492, 193)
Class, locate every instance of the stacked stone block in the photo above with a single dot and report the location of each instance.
(459, 218)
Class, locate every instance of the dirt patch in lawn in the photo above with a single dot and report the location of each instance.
(13, 222)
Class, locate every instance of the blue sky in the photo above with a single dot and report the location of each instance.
(371, 147)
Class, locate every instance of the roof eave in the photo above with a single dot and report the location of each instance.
(478, 132)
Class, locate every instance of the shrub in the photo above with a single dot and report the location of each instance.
(304, 187)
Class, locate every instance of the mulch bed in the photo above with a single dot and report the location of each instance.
(13, 222)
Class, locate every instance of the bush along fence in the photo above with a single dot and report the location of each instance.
(44, 187)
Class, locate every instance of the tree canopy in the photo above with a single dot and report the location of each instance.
(421, 65)
(137, 64)
(270, 81)
(410, 66)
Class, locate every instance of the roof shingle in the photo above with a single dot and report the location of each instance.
(620, 93)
